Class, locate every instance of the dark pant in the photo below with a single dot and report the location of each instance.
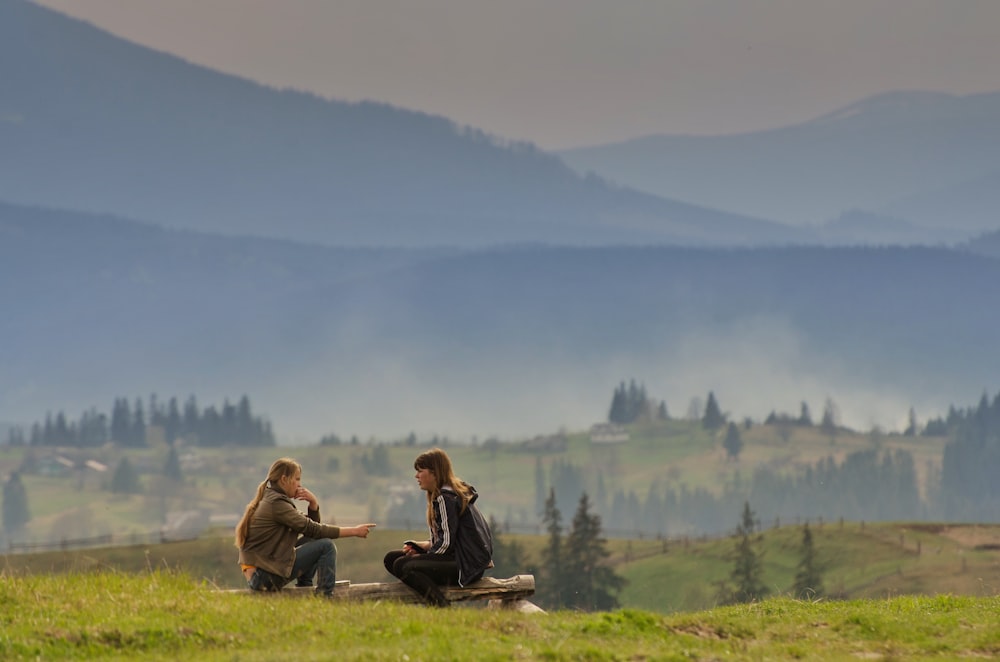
(424, 573)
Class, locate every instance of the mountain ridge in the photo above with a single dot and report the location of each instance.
(105, 126)
(868, 155)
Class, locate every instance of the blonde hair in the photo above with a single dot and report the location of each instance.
(438, 463)
(284, 466)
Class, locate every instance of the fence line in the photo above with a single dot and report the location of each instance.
(179, 535)
(106, 540)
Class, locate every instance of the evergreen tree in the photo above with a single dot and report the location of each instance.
(539, 487)
(733, 443)
(378, 464)
(245, 428)
(618, 413)
(629, 404)
(911, 427)
(592, 584)
(747, 572)
(808, 578)
(805, 417)
(172, 422)
(713, 418)
(551, 589)
(15, 505)
(137, 436)
(508, 556)
(830, 420)
(126, 479)
(172, 468)
(191, 422)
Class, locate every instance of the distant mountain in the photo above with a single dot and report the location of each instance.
(511, 340)
(975, 203)
(93, 123)
(927, 159)
(985, 244)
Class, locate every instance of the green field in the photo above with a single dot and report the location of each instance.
(221, 480)
(159, 615)
(859, 561)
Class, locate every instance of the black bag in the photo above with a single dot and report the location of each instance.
(475, 544)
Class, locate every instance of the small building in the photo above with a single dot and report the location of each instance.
(608, 433)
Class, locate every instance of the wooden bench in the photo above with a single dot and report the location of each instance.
(510, 593)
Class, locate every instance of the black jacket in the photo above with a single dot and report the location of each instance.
(466, 535)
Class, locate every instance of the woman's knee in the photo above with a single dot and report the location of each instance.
(390, 560)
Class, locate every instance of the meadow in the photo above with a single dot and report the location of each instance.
(164, 615)
(857, 561)
(219, 481)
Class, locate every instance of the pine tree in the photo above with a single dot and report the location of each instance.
(911, 427)
(732, 443)
(121, 422)
(805, 417)
(592, 584)
(172, 422)
(747, 572)
(618, 413)
(713, 418)
(808, 578)
(15, 505)
(508, 556)
(137, 437)
(830, 418)
(539, 487)
(172, 468)
(551, 590)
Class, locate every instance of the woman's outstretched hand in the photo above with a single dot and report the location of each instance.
(359, 531)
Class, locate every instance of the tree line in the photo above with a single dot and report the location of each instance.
(130, 425)
(870, 484)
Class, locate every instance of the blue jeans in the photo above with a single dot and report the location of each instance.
(315, 557)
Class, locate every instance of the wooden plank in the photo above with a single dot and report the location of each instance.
(488, 588)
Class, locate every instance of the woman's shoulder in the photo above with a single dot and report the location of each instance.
(274, 497)
(448, 495)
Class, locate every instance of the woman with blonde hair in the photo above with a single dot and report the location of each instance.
(460, 548)
(270, 528)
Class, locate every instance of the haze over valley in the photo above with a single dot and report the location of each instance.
(366, 269)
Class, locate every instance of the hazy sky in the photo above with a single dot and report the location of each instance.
(565, 73)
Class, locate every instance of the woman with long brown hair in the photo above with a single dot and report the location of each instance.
(269, 531)
(460, 547)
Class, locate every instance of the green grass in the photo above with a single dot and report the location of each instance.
(859, 561)
(163, 615)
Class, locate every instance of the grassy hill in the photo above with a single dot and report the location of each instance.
(219, 481)
(162, 616)
(129, 603)
(859, 560)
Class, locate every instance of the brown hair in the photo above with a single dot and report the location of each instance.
(438, 463)
(284, 466)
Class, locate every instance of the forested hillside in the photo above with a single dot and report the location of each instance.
(513, 340)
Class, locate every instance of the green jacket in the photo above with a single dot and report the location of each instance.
(274, 528)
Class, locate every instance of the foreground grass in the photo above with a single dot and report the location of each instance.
(164, 615)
